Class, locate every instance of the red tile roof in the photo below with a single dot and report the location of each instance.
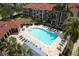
(74, 7)
(5, 26)
(40, 6)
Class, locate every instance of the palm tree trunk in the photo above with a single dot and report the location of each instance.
(75, 48)
(57, 18)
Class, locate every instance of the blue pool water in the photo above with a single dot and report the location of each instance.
(43, 35)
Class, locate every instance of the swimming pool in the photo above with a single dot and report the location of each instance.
(44, 36)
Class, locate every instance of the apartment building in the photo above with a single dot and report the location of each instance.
(7, 28)
(38, 10)
(41, 10)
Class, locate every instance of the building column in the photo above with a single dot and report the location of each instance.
(8, 33)
(42, 13)
(18, 29)
(33, 13)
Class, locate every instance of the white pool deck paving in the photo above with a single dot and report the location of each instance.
(49, 50)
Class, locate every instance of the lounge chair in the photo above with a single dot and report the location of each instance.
(21, 37)
(59, 48)
(62, 41)
(60, 44)
(25, 41)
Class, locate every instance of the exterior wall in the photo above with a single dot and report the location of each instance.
(36, 14)
(27, 12)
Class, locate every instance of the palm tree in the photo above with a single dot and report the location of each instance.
(11, 48)
(29, 52)
(57, 13)
(71, 29)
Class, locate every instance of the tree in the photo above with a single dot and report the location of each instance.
(59, 12)
(71, 28)
(9, 9)
(11, 48)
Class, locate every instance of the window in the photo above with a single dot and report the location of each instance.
(45, 10)
(40, 11)
(34, 10)
(40, 18)
(37, 17)
(40, 14)
(34, 13)
(37, 11)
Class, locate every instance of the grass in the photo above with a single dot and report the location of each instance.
(29, 21)
(24, 20)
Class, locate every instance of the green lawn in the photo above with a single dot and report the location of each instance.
(24, 20)
(28, 21)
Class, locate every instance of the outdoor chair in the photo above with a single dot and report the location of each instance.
(59, 48)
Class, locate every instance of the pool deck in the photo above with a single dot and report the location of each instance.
(49, 50)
